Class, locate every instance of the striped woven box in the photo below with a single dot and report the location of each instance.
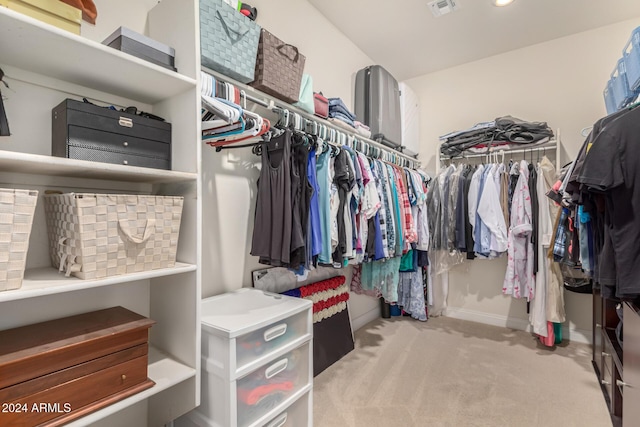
(16, 217)
(92, 236)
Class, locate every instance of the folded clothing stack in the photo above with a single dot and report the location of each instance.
(338, 110)
(362, 129)
(504, 132)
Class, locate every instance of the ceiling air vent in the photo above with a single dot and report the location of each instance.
(442, 7)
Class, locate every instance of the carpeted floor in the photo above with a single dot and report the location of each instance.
(449, 372)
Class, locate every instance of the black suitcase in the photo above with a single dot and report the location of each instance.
(87, 132)
(377, 104)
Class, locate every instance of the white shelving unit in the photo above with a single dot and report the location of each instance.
(45, 65)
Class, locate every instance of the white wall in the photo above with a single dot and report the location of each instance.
(230, 179)
(561, 82)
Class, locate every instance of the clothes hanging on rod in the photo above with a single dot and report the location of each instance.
(329, 197)
(600, 197)
(491, 210)
(333, 132)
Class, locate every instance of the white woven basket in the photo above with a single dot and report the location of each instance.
(16, 217)
(99, 235)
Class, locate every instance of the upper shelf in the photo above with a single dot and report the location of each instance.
(41, 48)
(16, 162)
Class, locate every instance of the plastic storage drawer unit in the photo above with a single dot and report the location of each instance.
(631, 55)
(257, 360)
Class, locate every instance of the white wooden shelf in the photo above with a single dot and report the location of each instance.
(47, 281)
(32, 45)
(163, 370)
(16, 162)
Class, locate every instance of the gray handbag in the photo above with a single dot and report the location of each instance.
(228, 40)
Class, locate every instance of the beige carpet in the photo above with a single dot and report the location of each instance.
(449, 372)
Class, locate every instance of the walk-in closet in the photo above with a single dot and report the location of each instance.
(303, 213)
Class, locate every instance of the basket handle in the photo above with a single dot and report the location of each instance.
(149, 228)
(282, 46)
(235, 34)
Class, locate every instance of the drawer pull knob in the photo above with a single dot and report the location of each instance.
(126, 144)
(125, 122)
(124, 377)
(275, 332)
(605, 382)
(276, 368)
(125, 162)
(621, 383)
(279, 422)
(598, 325)
(604, 354)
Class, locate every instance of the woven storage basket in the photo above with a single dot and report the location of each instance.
(228, 40)
(279, 68)
(99, 235)
(16, 217)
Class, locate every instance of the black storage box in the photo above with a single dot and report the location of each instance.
(87, 132)
(143, 47)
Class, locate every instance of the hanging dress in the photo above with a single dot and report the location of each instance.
(273, 217)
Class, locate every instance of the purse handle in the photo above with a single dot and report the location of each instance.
(238, 32)
(282, 46)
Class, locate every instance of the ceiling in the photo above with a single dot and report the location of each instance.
(404, 37)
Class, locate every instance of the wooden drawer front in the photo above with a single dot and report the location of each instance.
(64, 400)
(36, 365)
(36, 385)
(269, 339)
(607, 380)
(631, 375)
(607, 360)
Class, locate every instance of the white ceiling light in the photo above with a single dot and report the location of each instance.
(501, 3)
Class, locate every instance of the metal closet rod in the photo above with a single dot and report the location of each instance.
(276, 103)
(552, 146)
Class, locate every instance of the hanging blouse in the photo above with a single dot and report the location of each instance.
(324, 202)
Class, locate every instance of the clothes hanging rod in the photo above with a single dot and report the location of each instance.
(272, 102)
(552, 145)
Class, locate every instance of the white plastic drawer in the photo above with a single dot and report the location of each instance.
(268, 386)
(296, 415)
(260, 343)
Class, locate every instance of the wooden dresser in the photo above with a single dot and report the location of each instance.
(617, 366)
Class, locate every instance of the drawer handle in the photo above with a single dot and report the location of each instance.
(125, 122)
(276, 368)
(605, 382)
(278, 422)
(598, 325)
(125, 162)
(621, 383)
(604, 354)
(125, 144)
(275, 332)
